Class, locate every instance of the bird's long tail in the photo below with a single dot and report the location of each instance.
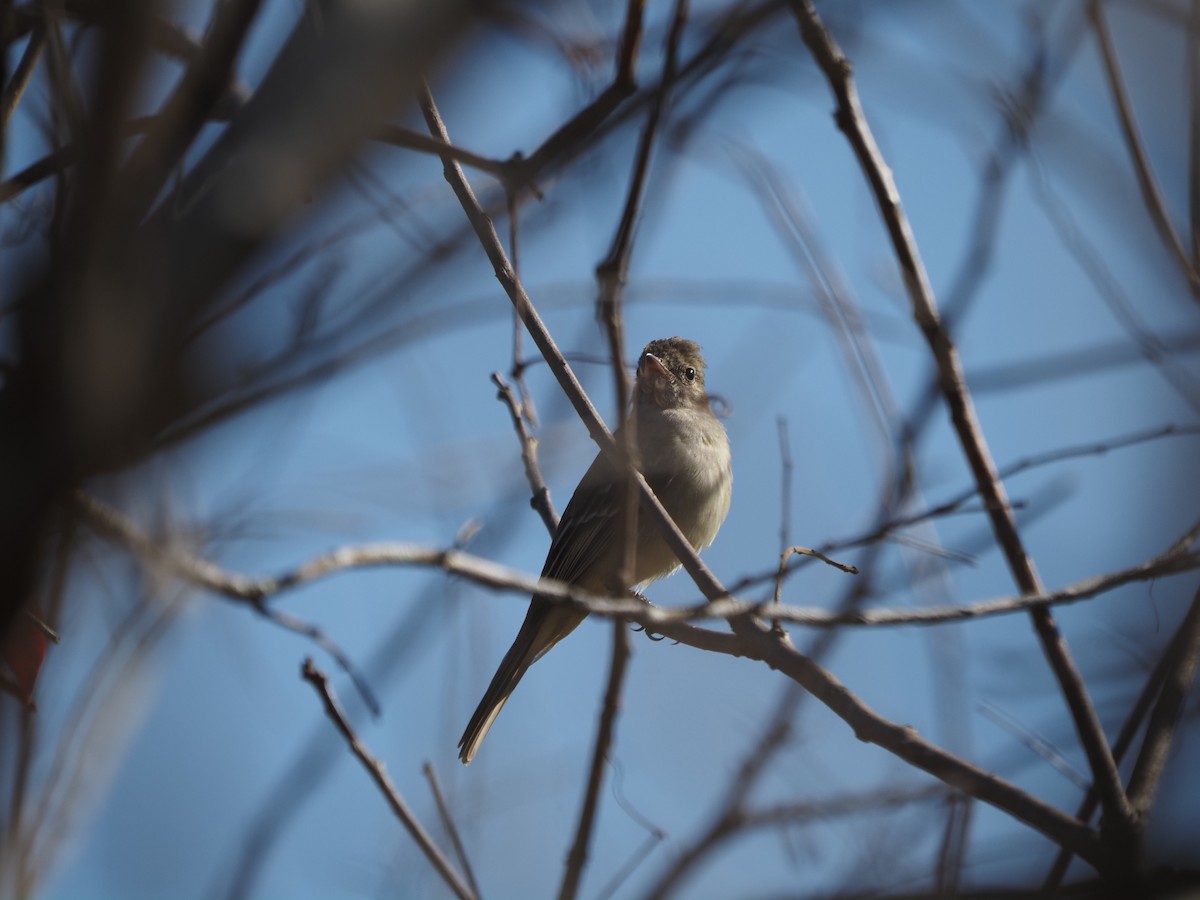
(545, 625)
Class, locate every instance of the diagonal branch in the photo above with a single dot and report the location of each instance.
(448, 823)
(1151, 195)
(15, 89)
(486, 232)
(1125, 737)
(379, 775)
(190, 105)
(853, 123)
(1193, 62)
(540, 500)
(1160, 730)
(756, 640)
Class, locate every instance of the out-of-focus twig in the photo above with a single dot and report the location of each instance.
(15, 89)
(957, 502)
(188, 108)
(1155, 204)
(575, 131)
(204, 574)
(1152, 348)
(731, 815)
(1193, 67)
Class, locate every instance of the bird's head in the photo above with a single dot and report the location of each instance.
(670, 374)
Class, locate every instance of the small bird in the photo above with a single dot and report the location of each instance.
(684, 454)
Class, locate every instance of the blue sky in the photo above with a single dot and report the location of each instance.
(411, 444)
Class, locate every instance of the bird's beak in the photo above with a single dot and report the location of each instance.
(652, 373)
(654, 380)
(651, 366)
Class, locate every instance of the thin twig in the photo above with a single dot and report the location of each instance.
(202, 573)
(314, 676)
(817, 554)
(787, 468)
(1131, 727)
(757, 641)
(1094, 265)
(1193, 68)
(15, 89)
(1160, 730)
(1180, 557)
(955, 504)
(1036, 744)
(326, 643)
(407, 139)
(540, 500)
(785, 505)
(451, 828)
(836, 807)
(517, 371)
(575, 132)
(1151, 195)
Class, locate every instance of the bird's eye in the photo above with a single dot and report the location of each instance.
(689, 373)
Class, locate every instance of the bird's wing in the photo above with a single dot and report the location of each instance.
(588, 527)
(585, 532)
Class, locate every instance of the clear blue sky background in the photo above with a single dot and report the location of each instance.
(411, 444)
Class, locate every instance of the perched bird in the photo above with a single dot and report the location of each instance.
(684, 454)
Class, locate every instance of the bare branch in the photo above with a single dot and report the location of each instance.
(1130, 729)
(612, 271)
(1193, 63)
(1160, 730)
(383, 781)
(451, 828)
(853, 123)
(1180, 557)
(15, 89)
(756, 641)
(573, 133)
(540, 500)
(577, 857)
(1151, 195)
(188, 107)
(202, 573)
(407, 139)
(752, 640)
